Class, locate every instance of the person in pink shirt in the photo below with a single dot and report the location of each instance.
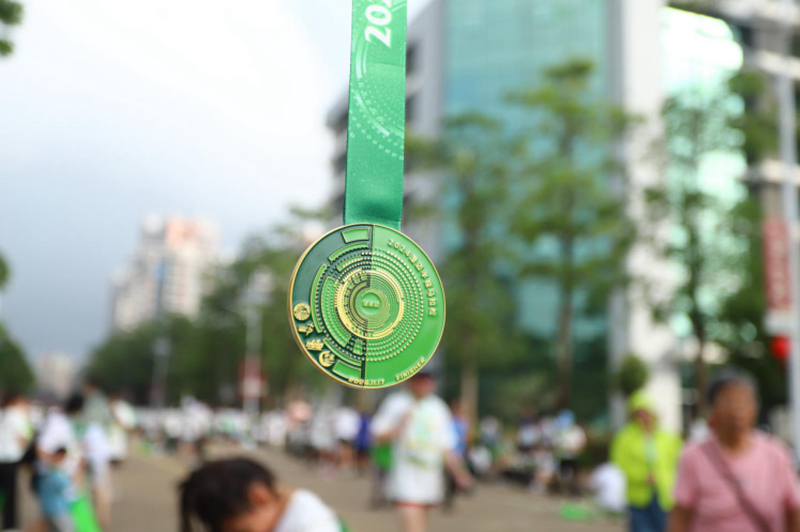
(739, 479)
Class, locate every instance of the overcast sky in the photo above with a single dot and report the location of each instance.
(113, 110)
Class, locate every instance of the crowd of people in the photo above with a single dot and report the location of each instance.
(419, 451)
(68, 450)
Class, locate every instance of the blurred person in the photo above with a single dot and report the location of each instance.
(195, 424)
(123, 425)
(608, 484)
(528, 433)
(97, 420)
(322, 436)
(59, 432)
(648, 457)
(545, 467)
(97, 458)
(461, 428)
(738, 479)
(347, 424)
(15, 435)
(570, 441)
(363, 442)
(490, 431)
(60, 454)
(240, 495)
(381, 457)
(420, 428)
(480, 460)
(96, 405)
(56, 493)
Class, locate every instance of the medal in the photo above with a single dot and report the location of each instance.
(366, 304)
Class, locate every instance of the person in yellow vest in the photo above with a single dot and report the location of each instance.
(648, 457)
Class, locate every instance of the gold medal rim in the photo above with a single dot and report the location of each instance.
(311, 357)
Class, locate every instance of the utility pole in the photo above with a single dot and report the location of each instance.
(161, 347)
(788, 149)
(252, 386)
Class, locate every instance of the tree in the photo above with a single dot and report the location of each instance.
(741, 318)
(124, 362)
(632, 375)
(701, 216)
(480, 332)
(4, 272)
(569, 207)
(16, 375)
(741, 325)
(10, 15)
(285, 367)
(206, 353)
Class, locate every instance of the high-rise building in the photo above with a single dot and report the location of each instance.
(466, 55)
(169, 273)
(55, 373)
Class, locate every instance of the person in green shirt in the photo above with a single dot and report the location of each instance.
(648, 457)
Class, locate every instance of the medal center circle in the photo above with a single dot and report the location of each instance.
(369, 303)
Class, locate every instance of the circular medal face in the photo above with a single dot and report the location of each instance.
(367, 306)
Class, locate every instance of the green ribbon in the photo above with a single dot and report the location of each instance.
(376, 116)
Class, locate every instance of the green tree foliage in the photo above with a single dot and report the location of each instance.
(741, 319)
(285, 367)
(757, 125)
(632, 375)
(15, 375)
(480, 335)
(569, 206)
(5, 272)
(124, 362)
(10, 15)
(15, 372)
(206, 354)
(704, 241)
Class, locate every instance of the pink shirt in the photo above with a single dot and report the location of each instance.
(765, 472)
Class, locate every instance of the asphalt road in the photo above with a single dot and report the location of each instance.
(145, 501)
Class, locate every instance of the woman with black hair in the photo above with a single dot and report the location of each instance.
(241, 495)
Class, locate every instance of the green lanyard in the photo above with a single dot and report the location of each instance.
(376, 116)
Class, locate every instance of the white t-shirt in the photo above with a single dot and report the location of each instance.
(124, 414)
(417, 473)
(96, 446)
(609, 484)
(15, 429)
(307, 513)
(58, 433)
(348, 423)
(322, 430)
(570, 442)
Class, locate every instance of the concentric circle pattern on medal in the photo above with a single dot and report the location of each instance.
(367, 306)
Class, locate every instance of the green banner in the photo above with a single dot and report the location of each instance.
(376, 116)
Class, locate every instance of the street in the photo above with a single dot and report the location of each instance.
(146, 501)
